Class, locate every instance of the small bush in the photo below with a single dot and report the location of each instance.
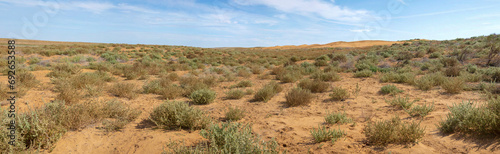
(393, 77)
(339, 94)
(63, 70)
(228, 137)
(267, 92)
(203, 96)
(401, 103)
(453, 85)
(235, 94)
(234, 114)
(315, 86)
(363, 73)
(452, 71)
(122, 89)
(424, 83)
(393, 131)
(242, 84)
(178, 115)
(298, 96)
(468, 118)
(420, 110)
(323, 134)
(334, 118)
(328, 76)
(171, 92)
(390, 89)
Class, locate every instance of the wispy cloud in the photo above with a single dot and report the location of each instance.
(441, 12)
(94, 7)
(324, 9)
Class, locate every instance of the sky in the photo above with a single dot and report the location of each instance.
(246, 23)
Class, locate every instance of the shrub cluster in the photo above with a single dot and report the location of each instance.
(267, 92)
(177, 114)
(393, 131)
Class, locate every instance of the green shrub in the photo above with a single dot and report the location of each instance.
(298, 96)
(63, 70)
(323, 134)
(390, 89)
(401, 103)
(234, 114)
(339, 94)
(235, 94)
(315, 86)
(328, 76)
(424, 83)
(267, 92)
(468, 118)
(290, 77)
(420, 110)
(453, 85)
(242, 84)
(363, 74)
(435, 55)
(127, 90)
(394, 77)
(393, 132)
(334, 118)
(228, 138)
(178, 115)
(203, 96)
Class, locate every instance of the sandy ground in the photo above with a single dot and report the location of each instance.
(289, 126)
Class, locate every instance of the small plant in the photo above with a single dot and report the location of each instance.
(234, 114)
(468, 118)
(327, 77)
(390, 89)
(298, 96)
(420, 110)
(235, 94)
(267, 92)
(178, 115)
(356, 90)
(453, 85)
(323, 134)
(242, 84)
(203, 96)
(334, 118)
(339, 94)
(315, 86)
(228, 137)
(393, 131)
(402, 103)
(122, 89)
(363, 73)
(425, 83)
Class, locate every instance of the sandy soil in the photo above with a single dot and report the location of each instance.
(289, 126)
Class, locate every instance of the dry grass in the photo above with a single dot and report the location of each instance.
(298, 96)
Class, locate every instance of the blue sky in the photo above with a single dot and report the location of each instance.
(246, 23)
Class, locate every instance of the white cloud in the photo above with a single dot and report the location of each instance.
(320, 8)
(360, 30)
(94, 7)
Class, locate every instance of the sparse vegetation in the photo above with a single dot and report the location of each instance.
(176, 114)
(322, 134)
(267, 92)
(339, 94)
(393, 131)
(203, 96)
(234, 114)
(298, 96)
(470, 118)
(390, 89)
(333, 118)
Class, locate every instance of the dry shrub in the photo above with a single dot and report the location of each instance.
(298, 96)
(328, 76)
(178, 115)
(339, 94)
(234, 114)
(393, 131)
(203, 96)
(267, 92)
(235, 94)
(122, 89)
(453, 85)
(315, 86)
(452, 71)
